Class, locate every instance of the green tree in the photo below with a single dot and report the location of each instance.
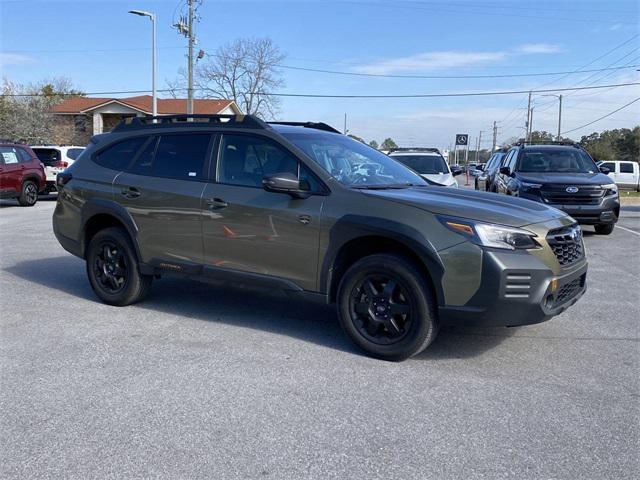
(373, 144)
(388, 144)
(355, 137)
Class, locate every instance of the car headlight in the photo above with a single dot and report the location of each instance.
(531, 186)
(610, 189)
(495, 236)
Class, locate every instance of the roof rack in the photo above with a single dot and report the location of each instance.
(190, 120)
(570, 143)
(414, 149)
(317, 125)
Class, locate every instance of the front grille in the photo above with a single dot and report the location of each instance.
(568, 291)
(566, 244)
(586, 195)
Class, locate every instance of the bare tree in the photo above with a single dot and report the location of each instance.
(245, 70)
(24, 109)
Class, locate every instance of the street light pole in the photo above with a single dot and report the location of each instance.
(152, 17)
(559, 116)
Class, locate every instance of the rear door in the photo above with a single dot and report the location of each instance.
(248, 229)
(10, 170)
(628, 176)
(162, 192)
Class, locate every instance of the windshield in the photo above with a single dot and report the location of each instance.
(425, 164)
(569, 160)
(353, 163)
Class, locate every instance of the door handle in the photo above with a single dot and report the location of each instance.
(216, 203)
(130, 192)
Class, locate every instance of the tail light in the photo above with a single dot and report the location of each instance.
(61, 164)
(62, 179)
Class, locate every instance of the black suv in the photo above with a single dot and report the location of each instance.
(302, 208)
(564, 176)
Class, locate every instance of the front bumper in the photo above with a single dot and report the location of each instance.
(517, 289)
(606, 212)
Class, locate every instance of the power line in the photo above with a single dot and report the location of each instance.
(317, 95)
(510, 75)
(602, 117)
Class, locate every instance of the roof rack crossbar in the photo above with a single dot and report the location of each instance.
(317, 125)
(246, 121)
(549, 142)
(414, 149)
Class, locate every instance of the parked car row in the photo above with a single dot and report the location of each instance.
(26, 172)
(562, 175)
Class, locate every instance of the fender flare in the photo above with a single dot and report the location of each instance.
(352, 227)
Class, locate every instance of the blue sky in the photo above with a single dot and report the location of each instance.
(102, 48)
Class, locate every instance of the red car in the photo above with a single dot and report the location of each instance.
(21, 174)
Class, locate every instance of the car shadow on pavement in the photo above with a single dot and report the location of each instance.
(248, 307)
(6, 203)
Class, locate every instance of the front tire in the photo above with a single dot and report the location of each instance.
(604, 229)
(386, 308)
(112, 268)
(29, 194)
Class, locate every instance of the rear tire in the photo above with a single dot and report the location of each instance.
(604, 229)
(29, 194)
(112, 268)
(386, 308)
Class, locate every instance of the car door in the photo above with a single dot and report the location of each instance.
(248, 229)
(10, 171)
(162, 192)
(626, 177)
(502, 179)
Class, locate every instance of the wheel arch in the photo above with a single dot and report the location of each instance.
(350, 241)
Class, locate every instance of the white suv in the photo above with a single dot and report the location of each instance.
(56, 159)
(429, 163)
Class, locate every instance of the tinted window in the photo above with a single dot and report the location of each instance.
(560, 160)
(119, 155)
(48, 156)
(426, 164)
(73, 153)
(610, 165)
(25, 156)
(353, 163)
(181, 156)
(626, 167)
(144, 160)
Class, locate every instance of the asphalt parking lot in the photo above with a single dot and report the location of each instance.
(213, 382)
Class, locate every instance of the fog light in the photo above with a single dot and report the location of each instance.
(606, 215)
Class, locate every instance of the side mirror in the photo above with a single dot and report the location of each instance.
(284, 183)
(605, 170)
(456, 171)
(505, 171)
(480, 167)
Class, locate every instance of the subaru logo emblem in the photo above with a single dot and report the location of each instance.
(571, 189)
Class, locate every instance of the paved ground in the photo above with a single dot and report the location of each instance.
(202, 382)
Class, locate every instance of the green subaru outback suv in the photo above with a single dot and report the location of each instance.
(302, 208)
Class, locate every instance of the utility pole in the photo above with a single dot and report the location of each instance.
(559, 117)
(190, 55)
(345, 123)
(479, 144)
(495, 136)
(528, 122)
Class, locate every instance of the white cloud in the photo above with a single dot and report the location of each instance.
(431, 61)
(451, 59)
(615, 27)
(7, 59)
(537, 48)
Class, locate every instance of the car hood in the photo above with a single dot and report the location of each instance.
(596, 178)
(443, 179)
(472, 205)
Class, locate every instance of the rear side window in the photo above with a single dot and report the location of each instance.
(74, 153)
(626, 167)
(119, 155)
(181, 156)
(25, 157)
(48, 156)
(9, 155)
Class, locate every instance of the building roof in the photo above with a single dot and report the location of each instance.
(143, 103)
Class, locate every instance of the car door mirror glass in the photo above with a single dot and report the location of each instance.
(605, 170)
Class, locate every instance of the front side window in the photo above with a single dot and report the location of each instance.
(610, 165)
(565, 160)
(424, 164)
(626, 167)
(245, 160)
(353, 163)
(118, 156)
